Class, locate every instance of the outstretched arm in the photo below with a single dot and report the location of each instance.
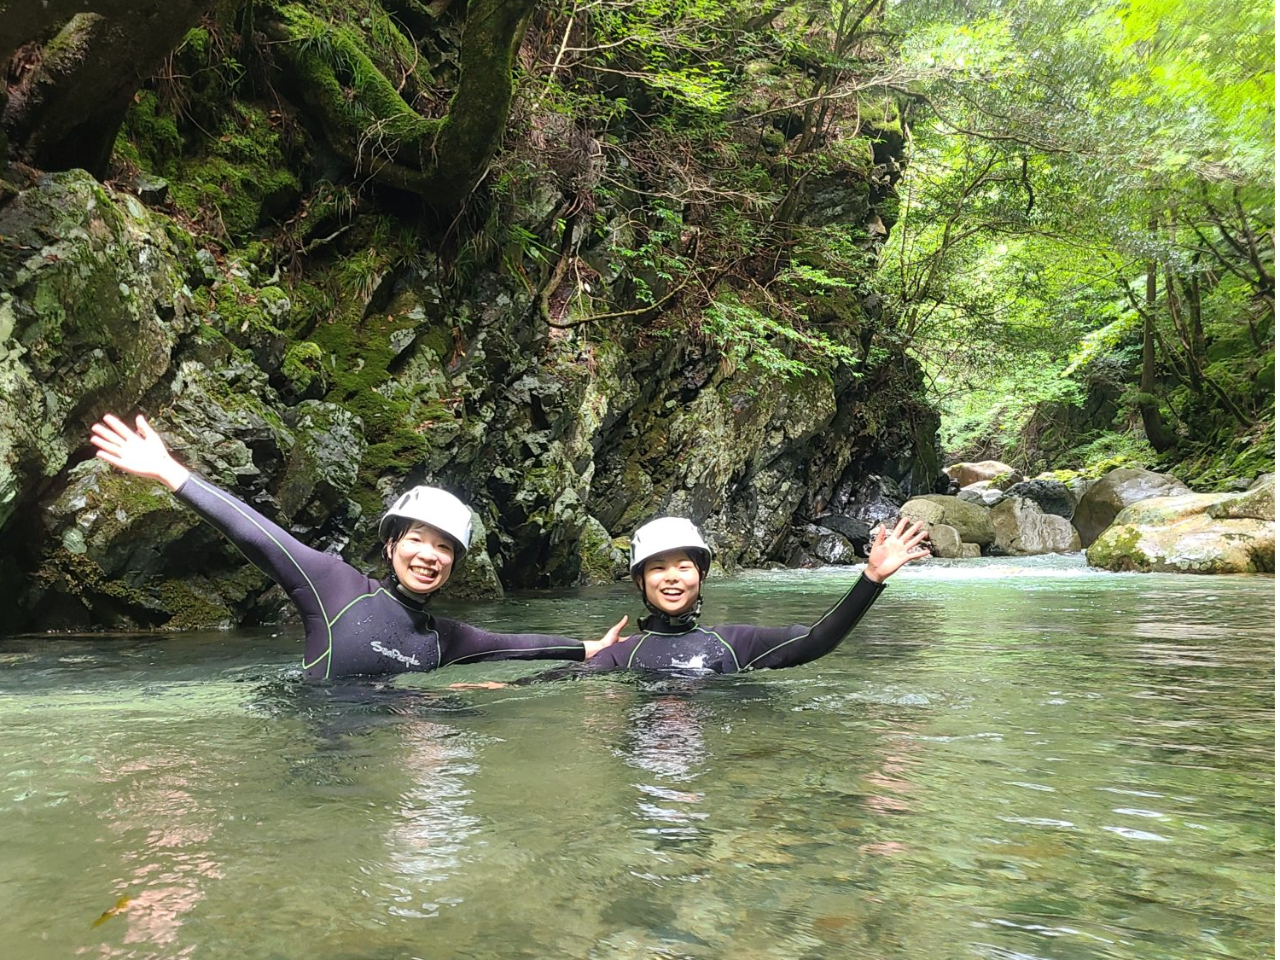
(792, 646)
(572, 670)
(304, 573)
(464, 643)
(611, 636)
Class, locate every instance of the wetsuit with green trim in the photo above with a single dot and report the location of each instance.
(355, 624)
(668, 646)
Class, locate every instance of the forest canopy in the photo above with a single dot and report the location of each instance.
(1088, 227)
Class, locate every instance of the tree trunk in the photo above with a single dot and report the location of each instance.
(370, 125)
(87, 60)
(1158, 435)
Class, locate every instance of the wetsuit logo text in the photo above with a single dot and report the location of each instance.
(406, 659)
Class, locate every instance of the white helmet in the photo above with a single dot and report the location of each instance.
(436, 508)
(669, 533)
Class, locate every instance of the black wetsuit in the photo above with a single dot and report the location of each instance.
(668, 646)
(355, 624)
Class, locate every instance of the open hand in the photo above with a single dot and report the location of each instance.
(890, 551)
(141, 453)
(595, 646)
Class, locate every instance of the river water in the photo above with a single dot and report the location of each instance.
(1010, 759)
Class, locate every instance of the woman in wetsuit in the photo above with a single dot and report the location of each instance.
(353, 623)
(670, 560)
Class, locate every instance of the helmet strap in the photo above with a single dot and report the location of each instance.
(660, 621)
(417, 601)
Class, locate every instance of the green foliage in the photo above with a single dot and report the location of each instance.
(150, 135)
(744, 334)
(1111, 451)
(1053, 168)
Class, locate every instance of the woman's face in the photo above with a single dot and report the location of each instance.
(422, 559)
(672, 582)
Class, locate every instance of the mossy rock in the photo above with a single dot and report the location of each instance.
(93, 303)
(602, 560)
(1194, 544)
(192, 608)
(1258, 503)
(323, 464)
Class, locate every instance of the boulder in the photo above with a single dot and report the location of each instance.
(967, 473)
(153, 191)
(818, 545)
(1023, 529)
(1257, 503)
(971, 521)
(1098, 508)
(1077, 487)
(1051, 496)
(857, 532)
(1179, 535)
(945, 541)
(969, 551)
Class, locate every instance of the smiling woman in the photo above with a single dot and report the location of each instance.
(669, 561)
(425, 533)
(353, 623)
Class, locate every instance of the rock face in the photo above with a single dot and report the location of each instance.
(561, 444)
(967, 473)
(1196, 533)
(971, 522)
(1023, 529)
(1099, 506)
(92, 303)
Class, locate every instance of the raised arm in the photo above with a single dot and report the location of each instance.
(300, 570)
(773, 647)
(141, 453)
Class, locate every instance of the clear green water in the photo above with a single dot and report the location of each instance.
(1024, 760)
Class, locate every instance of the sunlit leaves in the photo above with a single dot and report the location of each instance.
(746, 334)
(1058, 133)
